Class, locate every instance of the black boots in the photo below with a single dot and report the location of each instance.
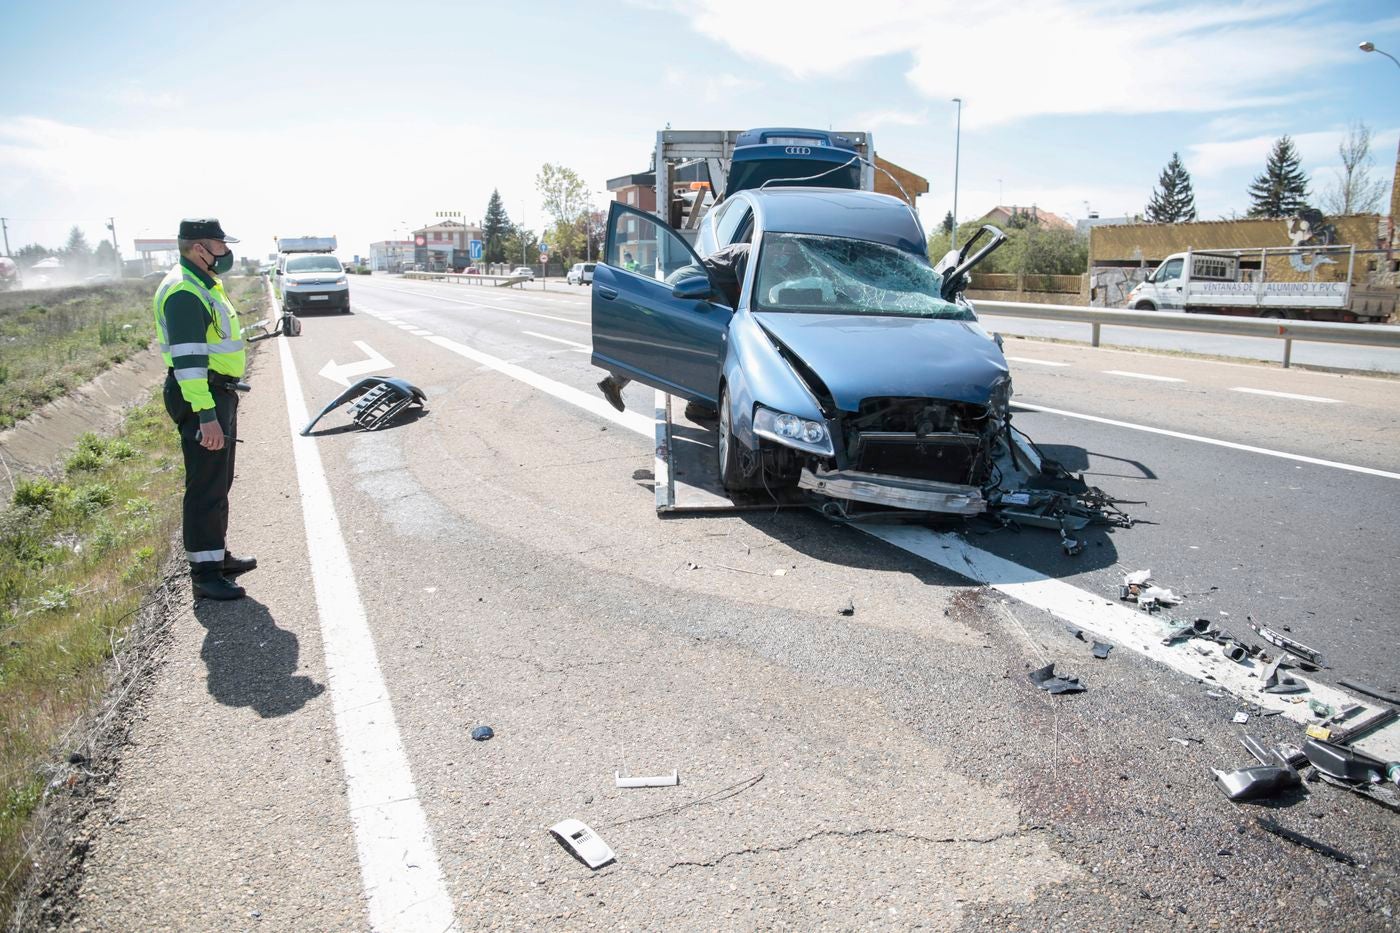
(611, 388)
(210, 579)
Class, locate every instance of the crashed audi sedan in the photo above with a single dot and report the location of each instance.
(843, 363)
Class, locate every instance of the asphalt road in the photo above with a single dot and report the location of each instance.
(304, 761)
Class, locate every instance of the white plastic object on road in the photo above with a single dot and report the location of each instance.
(1137, 577)
(583, 842)
(656, 780)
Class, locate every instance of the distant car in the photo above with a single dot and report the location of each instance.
(155, 276)
(100, 278)
(526, 271)
(581, 273)
(313, 280)
(473, 271)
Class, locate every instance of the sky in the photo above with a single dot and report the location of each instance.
(365, 119)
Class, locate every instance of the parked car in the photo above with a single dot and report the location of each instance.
(850, 366)
(526, 271)
(581, 273)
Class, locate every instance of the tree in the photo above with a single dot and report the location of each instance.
(1282, 190)
(521, 245)
(1354, 191)
(1030, 249)
(948, 223)
(77, 254)
(104, 257)
(28, 255)
(494, 229)
(565, 199)
(1173, 201)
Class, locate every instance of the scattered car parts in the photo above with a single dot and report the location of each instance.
(1046, 679)
(583, 842)
(658, 780)
(1287, 644)
(1259, 781)
(1272, 826)
(377, 400)
(1348, 764)
(1370, 691)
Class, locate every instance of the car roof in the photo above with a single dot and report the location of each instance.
(862, 215)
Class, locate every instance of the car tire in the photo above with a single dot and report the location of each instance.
(1144, 306)
(728, 449)
(1272, 314)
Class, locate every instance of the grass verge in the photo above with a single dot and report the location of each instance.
(56, 339)
(77, 557)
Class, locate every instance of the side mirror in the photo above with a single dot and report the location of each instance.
(693, 287)
(279, 271)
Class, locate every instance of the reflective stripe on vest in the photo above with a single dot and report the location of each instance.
(223, 321)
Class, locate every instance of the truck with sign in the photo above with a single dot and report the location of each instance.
(1239, 282)
(308, 276)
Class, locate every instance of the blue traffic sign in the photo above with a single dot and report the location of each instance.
(476, 248)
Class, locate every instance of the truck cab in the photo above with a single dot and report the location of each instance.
(1165, 288)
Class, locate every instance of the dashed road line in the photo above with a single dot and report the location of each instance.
(1248, 448)
(491, 307)
(1026, 359)
(576, 347)
(421, 333)
(1133, 375)
(399, 868)
(1290, 395)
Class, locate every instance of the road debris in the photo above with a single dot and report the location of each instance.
(1382, 718)
(657, 780)
(1321, 710)
(583, 842)
(377, 400)
(1186, 742)
(1101, 650)
(1046, 679)
(1370, 691)
(1348, 764)
(1287, 644)
(1241, 717)
(1259, 781)
(847, 610)
(1272, 826)
(482, 733)
(1200, 628)
(1276, 681)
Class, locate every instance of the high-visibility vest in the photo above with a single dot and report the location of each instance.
(223, 342)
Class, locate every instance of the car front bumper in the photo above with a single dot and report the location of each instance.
(900, 492)
(311, 297)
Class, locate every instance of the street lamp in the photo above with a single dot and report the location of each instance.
(1371, 47)
(957, 155)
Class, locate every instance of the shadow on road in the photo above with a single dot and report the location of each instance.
(251, 661)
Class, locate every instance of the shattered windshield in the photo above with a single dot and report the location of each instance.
(838, 275)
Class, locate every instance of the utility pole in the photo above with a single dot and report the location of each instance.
(4, 225)
(957, 155)
(112, 226)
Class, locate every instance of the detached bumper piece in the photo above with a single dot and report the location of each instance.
(899, 492)
(377, 401)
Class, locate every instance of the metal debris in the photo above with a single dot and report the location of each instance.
(1046, 679)
(1370, 691)
(847, 610)
(1101, 650)
(657, 780)
(1287, 644)
(482, 733)
(1241, 718)
(1269, 825)
(1259, 781)
(1348, 764)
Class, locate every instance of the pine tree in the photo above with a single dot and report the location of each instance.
(1173, 201)
(948, 223)
(1282, 190)
(495, 228)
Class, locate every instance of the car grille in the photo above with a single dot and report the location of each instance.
(948, 458)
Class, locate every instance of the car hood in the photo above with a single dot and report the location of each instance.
(864, 356)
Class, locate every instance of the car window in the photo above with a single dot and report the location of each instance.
(647, 247)
(588, 266)
(1171, 269)
(731, 221)
(839, 275)
(313, 264)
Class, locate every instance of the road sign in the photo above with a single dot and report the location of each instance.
(544, 257)
(476, 248)
(420, 240)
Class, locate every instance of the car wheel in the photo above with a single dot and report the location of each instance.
(1272, 313)
(1144, 306)
(729, 449)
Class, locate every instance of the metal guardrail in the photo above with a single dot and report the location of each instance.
(1366, 335)
(500, 281)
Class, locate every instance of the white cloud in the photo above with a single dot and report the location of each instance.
(712, 89)
(878, 118)
(1011, 61)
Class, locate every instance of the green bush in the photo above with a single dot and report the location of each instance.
(120, 450)
(37, 493)
(91, 498)
(83, 460)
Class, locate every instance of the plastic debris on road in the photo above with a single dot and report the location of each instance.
(583, 843)
(482, 733)
(1046, 679)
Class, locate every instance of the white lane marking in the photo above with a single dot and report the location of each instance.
(1296, 397)
(591, 403)
(1026, 359)
(1369, 471)
(1090, 611)
(1132, 375)
(342, 373)
(486, 307)
(398, 865)
(421, 333)
(406, 326)
(569, 343)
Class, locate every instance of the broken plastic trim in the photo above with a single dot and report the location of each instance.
(1046, 679)
(1287, 644)
(380, 400)
(1259, 781)
(583, 842)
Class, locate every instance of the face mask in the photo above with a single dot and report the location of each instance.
(222, 263)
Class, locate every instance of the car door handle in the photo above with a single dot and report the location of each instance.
(605, 291)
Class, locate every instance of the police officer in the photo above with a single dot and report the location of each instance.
(202, 343)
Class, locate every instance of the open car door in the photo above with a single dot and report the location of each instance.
(652, 318)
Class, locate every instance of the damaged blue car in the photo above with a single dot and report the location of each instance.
(838, 360)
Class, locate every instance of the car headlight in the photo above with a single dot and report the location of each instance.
(792, 431)
(340, 281)
(1000, 399)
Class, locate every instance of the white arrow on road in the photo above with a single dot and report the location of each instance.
(342, 374)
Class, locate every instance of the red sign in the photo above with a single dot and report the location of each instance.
(420, 241)
(544, 257)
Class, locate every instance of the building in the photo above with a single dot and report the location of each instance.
(1082, 227)
(157, 252)
(390, 255)
(444, 245)
(1002, 216)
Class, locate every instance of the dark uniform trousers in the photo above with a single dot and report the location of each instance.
(208, 473)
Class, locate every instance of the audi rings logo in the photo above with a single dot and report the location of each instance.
(797, 150)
